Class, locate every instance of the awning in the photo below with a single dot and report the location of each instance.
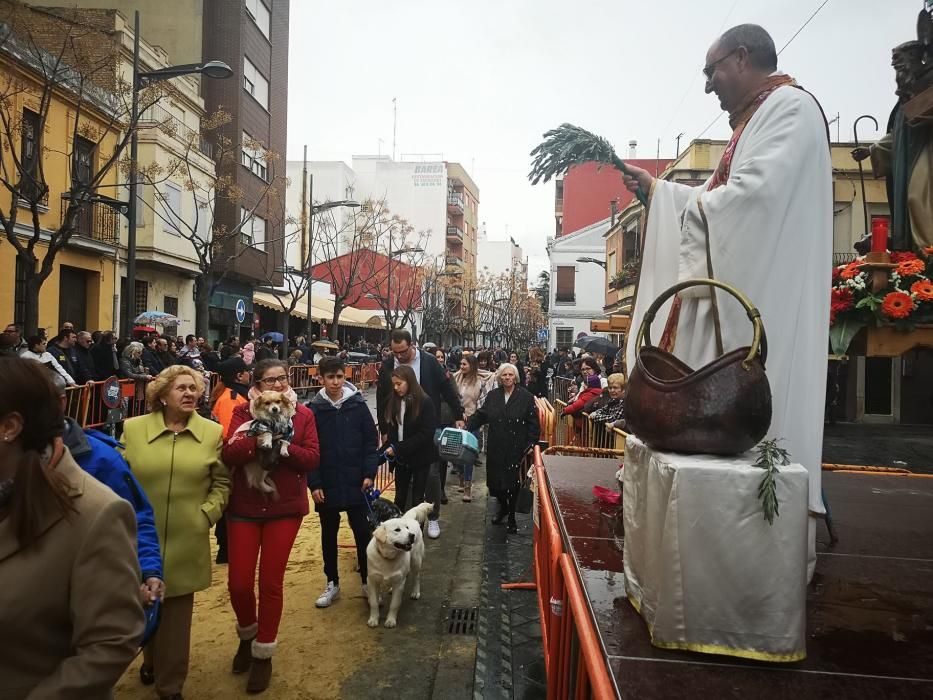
(615, 323)
(322, 310)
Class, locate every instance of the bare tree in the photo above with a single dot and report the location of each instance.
(57, 67)
(215, 245)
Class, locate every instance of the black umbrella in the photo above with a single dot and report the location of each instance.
(596, 344)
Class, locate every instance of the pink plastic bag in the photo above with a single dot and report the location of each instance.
(608, 496)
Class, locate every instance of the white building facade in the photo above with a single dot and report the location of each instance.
(578, 289)
(500, 257)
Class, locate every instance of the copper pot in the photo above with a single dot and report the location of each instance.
(721, 408)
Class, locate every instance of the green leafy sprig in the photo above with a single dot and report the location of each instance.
(770, 456)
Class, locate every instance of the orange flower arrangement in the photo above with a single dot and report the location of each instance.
(897, 305)
(905, 268)
(851, 270)
(899, 256)
(923, 289)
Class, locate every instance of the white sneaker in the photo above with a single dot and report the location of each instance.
(330, 594)
(434, 529)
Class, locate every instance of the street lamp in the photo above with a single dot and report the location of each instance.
(595, 261)
(317, 209)
(397, 253)
(211, 69)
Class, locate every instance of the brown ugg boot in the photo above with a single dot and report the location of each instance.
(244, 652)
(467, 491)
(260, 672)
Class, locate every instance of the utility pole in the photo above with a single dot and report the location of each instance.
(677, 152)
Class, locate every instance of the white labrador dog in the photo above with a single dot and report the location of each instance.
(395, 551)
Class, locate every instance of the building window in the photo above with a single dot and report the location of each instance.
(611, 263)
(630, 246)
(566, 285)
(140, 205)
(253, 232)
(170, 209)
(252, 158)
(141, 299)
(170, 306)
(82, 164)
(259, 13)
(30, 186)
(19, 294)
(255, 84)
(564, 337)
(203, 228)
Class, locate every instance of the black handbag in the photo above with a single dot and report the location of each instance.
(525, 500)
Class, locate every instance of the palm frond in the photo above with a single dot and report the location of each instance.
(569, 145)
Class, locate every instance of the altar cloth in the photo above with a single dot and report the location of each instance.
(704, 569)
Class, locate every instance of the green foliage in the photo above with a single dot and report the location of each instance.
(769, 457)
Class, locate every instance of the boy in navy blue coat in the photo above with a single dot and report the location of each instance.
(349, 459)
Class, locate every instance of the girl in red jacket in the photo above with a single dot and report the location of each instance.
(593, 388)
(264, 530)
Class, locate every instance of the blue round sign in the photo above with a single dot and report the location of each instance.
(240, 310)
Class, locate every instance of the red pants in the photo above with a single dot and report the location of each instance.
(270, 542)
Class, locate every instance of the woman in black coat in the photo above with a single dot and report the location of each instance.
(412, 421)
(513, 429)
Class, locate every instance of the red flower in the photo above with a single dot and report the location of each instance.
(923, 289)
(851, 270)
(899, 256)
(897, 305)
(836, 273)
(841, 299)
(909, 267)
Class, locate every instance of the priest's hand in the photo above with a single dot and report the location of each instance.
(637, 177)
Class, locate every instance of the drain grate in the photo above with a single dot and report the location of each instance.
(462, 621)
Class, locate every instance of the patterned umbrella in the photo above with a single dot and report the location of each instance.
(150, 318)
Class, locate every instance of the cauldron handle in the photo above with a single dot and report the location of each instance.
(759, 339)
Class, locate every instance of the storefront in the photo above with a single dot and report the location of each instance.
(231, 311)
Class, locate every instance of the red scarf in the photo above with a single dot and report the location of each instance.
(738, 119)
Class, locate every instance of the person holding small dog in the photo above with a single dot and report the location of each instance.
(175, 455)
(262, 524)
(349, 460)
(411, 420)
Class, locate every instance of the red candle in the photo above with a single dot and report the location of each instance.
(879, 234)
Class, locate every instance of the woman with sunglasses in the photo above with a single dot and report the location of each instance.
(262, 530)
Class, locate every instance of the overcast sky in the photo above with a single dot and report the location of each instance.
(478, 82)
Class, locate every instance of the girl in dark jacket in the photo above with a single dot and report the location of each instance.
(349, 460)
(412, 422)
(513, 430)
(261, 530)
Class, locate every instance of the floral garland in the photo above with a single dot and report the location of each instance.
(906, 301)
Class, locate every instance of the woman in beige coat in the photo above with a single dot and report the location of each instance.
(175, 455)
(70, 610)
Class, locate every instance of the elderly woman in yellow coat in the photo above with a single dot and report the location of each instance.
(175, 455)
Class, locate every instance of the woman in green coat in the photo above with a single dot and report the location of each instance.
(175, 455)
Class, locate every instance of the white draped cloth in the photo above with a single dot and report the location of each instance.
(770, 236)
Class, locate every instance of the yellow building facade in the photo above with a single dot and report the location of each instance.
(81, 287)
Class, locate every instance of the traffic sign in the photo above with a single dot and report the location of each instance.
(240, 311)
(542, 335)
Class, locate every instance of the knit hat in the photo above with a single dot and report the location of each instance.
(594, 382)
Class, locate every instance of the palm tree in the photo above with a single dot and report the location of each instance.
(543, 289)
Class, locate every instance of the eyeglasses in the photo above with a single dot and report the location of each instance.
(272, 381)
(711, 68)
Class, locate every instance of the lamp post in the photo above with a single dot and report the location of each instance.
(595, 261)
(317, 210)
(395, 254)
(211, 69)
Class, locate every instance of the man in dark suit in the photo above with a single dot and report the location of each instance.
(435, 383)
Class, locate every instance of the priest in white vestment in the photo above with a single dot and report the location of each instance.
(766, 217)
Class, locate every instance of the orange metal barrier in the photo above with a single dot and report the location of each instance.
(76, 403)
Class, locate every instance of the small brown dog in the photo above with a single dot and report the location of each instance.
(272, 426)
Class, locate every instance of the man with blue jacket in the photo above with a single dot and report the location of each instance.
(349, 460)
(95, 452)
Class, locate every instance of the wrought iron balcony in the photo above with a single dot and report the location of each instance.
(455, 260)
(455, 202)
(95, 221)
(455, 232)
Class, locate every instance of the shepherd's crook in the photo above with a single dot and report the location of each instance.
(861, 173)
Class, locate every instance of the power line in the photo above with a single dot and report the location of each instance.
(802, 27)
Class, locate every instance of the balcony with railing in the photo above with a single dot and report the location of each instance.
(455, 233)
(160, 117)
(455, 202)
(454, 260)
(844, 258)
(95, 221)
